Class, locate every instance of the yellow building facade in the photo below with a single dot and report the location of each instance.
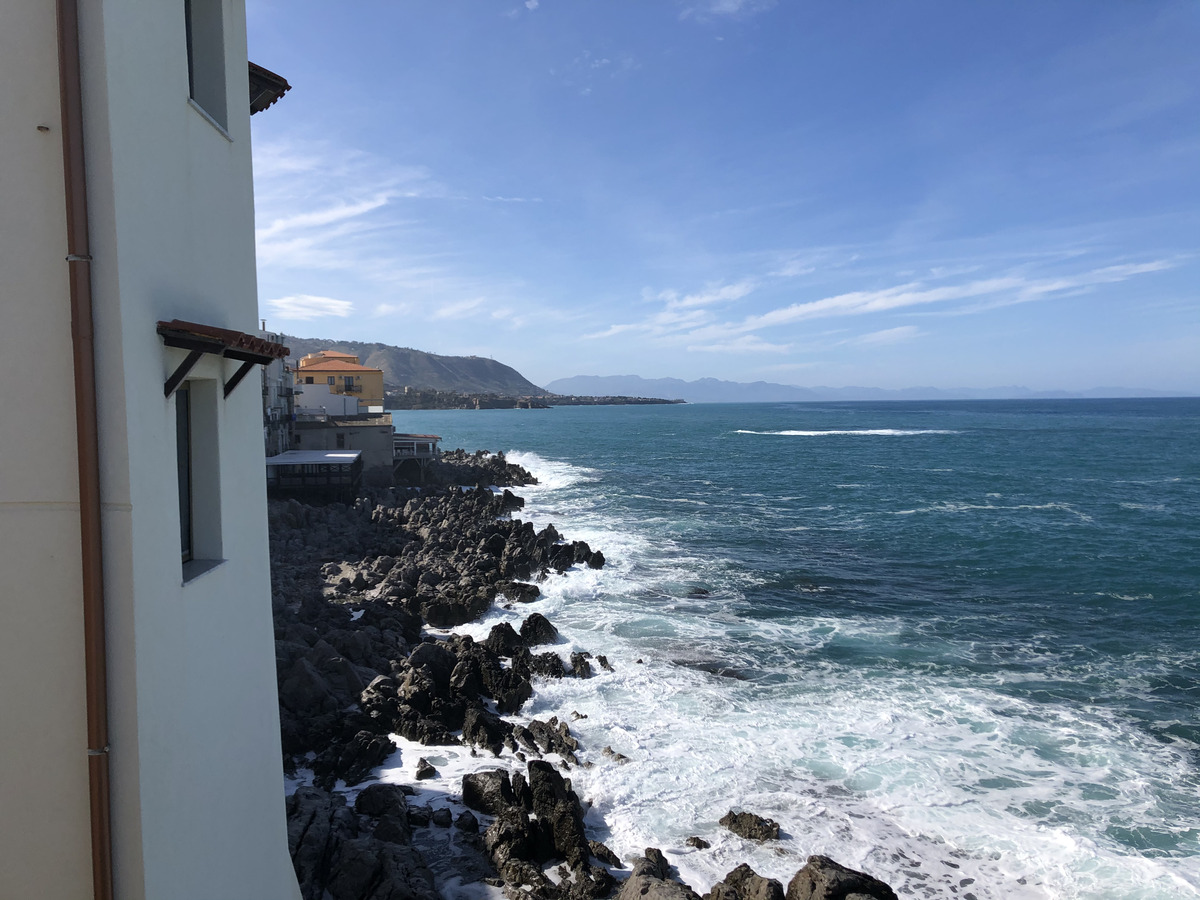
(344, 375)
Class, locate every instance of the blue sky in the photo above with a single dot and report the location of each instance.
(886, 194)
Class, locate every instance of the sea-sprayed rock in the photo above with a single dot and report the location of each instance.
(824, 879)
(750, 826)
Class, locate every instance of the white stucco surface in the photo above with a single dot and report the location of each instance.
(45, 851)
(196, 766)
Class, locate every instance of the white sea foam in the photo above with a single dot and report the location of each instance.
(956, 507)
(880, 432)
(924, 782)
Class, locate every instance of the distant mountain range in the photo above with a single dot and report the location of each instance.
(405, 367)
(712, 390)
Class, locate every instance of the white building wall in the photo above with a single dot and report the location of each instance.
(197, 783)
(45, 849)
(321, 398)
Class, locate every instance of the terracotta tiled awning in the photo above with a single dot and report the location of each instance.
(265, 88)
(201, 339)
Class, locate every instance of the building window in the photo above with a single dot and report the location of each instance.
(205, 25)
(198, 472)
(341, 441)
(331, 379)
(308, 379)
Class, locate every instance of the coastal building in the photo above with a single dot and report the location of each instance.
(278, 400)
(344, 375)
(411, 455)
(371, 434)
(139, 750)
(315, 401)
(315, 475)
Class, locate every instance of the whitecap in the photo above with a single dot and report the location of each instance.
(879, 432)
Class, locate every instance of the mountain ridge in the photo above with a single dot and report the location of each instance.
(713, 390)
(418, 369)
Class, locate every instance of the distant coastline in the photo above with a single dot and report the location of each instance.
(410, 399)
(713, 390)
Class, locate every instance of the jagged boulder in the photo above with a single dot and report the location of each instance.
(488, 792)
(503, 640)
(651, 880)
(750, 826)
(743, 883)
(537, 629)
(366, 869)
(824, 879)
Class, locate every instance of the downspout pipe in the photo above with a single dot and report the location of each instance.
(88, 445)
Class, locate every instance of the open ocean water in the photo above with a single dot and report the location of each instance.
(954, 644)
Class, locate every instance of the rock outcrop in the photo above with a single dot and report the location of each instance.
(750, 826)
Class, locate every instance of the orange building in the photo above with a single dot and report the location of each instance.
(344, 375)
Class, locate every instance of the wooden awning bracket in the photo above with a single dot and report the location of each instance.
(242, 372)
(182, 372)
(198, 340)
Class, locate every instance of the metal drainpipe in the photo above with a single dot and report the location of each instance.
(86, 420)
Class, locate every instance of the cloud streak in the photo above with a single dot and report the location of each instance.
(691, 319)
(305, 307)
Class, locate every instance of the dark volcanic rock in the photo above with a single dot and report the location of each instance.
(556, 804)
(536, 629)
(365, 869)
(503, 640)
(520, 592)
(488, 792)
(651, 880)
(485, 729)
(743, 883)
(824, 879)
(380, 800)
(333, 858)
(750, 826)
(352, 761)
(604, 854)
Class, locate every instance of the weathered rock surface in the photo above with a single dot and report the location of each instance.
(751, 826)
(336, 855)
(824, 879)
(651, 879)
(743, 883)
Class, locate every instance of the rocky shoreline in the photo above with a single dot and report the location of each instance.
(365, 598)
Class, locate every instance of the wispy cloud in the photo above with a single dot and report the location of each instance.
(336, 220)
(896, 335)
(710, 296)
(319, 218)
(713, 8)
(305, 306)
(694, 320)
(459, 310)
(746, 343)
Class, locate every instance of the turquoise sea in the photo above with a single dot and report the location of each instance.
(956, 644)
